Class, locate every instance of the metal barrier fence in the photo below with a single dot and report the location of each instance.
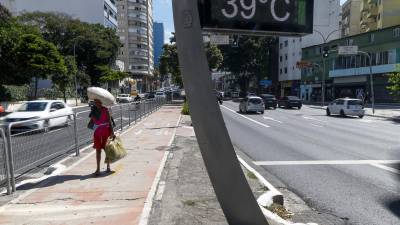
(25, 145)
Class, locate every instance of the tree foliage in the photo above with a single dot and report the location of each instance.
(65, 80)
(394, 83)
(93, 44)
(249, 60)
(169, 62)
(110, 74)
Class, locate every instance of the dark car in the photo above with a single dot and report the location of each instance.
(290, 102)
(269, 101)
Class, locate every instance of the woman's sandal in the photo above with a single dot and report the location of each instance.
(108, 170)
(97, 173)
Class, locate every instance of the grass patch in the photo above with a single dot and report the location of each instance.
(251, 175)
(189, 202)
(280, 211)
(185, 109)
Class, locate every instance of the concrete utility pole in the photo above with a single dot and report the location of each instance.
(230, 185)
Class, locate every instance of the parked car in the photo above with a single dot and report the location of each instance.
(269, 101)
(124, 98)
(290, 102)
(346, 106)
(37, 110)
(160, 94)
(252, 104)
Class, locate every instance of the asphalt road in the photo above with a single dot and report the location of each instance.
(325, 160)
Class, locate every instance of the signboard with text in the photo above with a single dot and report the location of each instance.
(219, 39)
(287, 17)
(348, 50)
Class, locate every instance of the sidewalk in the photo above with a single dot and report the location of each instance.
(77, 197)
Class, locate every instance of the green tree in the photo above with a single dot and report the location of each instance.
(394, 83)
(5, 15)
(66, 80)
(93, 44)
(109, 74)
(169, 62)
(249, 60)
(40, 59)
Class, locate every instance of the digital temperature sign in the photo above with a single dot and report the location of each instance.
(286, 17)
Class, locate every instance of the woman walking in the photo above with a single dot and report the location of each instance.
(103, 129)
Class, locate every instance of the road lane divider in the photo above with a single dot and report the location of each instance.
(254, 121)
(310, 118)
(316, 125)
(325, 162)
(272, 119)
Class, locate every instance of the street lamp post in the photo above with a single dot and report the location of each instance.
(75, 81)
(325, 39)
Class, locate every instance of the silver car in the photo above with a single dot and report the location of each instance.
(252, 104)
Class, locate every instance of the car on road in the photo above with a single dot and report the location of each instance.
(252, 104)
(346, 107)
(160, 94)
(124, 98)
(40, 109)
(269, 101)
(290, 102)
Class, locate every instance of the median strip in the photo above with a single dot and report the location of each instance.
(325, 162)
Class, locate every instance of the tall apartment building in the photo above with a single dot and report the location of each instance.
(326, 23)
(158, 36)
(135, 29)
(351, 14)
(91, 11)
(379, 14)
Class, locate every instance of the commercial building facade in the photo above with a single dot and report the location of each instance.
(326, 23)
(351, 14)
(91, 11)
(348, 76)
(158, 36)
(135, 29)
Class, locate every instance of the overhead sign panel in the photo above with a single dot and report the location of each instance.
(219, 39)
(287, 17)
(348, 50)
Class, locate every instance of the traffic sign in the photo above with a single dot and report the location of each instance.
(288, 17)
(219, 39)
(265, 82)
(348, 50)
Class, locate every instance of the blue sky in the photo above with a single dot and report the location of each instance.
(163, 13)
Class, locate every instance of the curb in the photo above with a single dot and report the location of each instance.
(273, 194)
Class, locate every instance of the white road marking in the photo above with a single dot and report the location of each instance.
(325, 162)
(316, 125)
(166, 132)
(310, 118)
(270, 118)
(138, 132)
(390, 169)
(366, 121)
(254, 121)
(160, 191)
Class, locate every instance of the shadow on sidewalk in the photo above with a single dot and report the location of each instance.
(59, 179)
(394, 207)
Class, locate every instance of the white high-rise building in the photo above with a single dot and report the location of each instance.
(135, 29)
(326, 23)
(91, 11)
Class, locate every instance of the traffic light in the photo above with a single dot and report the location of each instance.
(325, 52)
(235, 41)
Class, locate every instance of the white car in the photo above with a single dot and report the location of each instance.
(346, 107)
(37, 110)
(160, 94)
(124, 98)
(252, 104)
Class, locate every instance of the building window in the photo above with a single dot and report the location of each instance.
(396, 33)
(294, 40)
(349, 42)
(280, 45)
(280, 71)
(280, 58)
(285, 70)
(286, 43)
(371, 38)
(286, 57)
